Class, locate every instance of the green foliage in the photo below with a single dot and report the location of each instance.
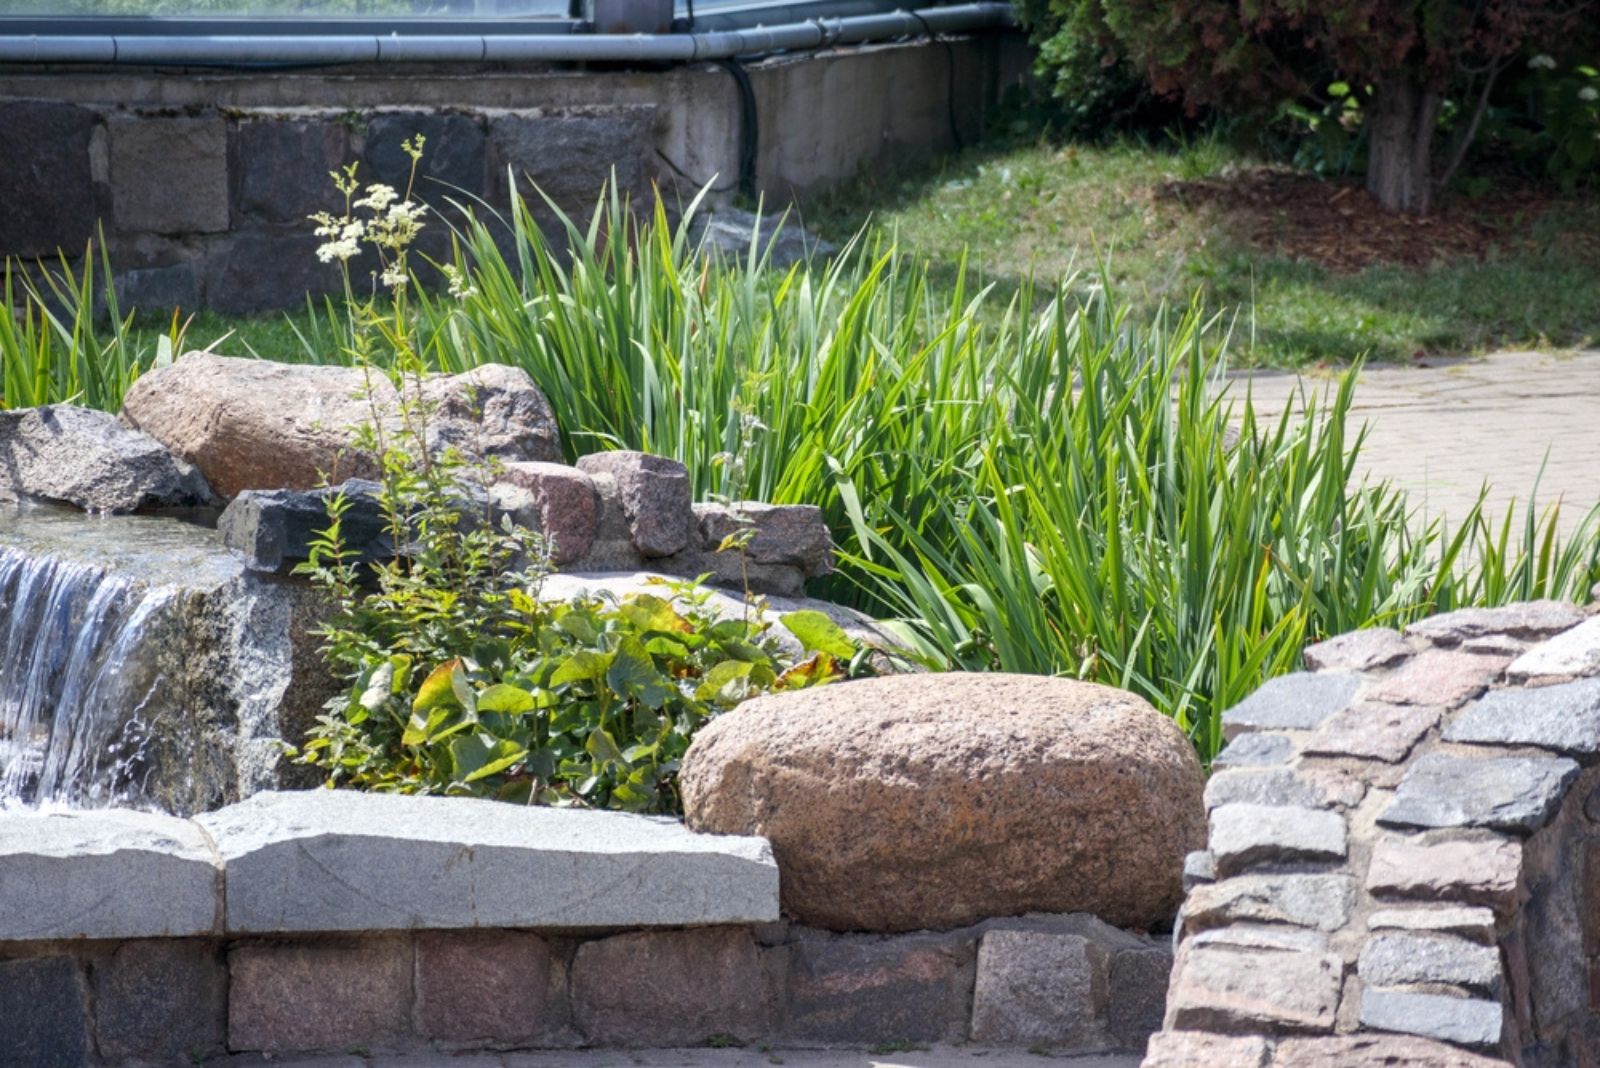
(1550, 120)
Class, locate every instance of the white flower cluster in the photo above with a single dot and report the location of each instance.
(461, 286)
(345, 232)
(1542, 62)
(1589, 93)
(394, 224)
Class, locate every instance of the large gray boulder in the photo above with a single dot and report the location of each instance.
(63, 454)
(256, 424)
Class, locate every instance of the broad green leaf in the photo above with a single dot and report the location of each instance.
(603, 747)
(720, 677)
(505, 699)
(438, 688)
(818, 633)
(633, 674)
(584, 665)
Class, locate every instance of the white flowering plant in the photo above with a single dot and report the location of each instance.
(1559, 129)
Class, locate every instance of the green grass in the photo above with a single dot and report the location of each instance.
(1044, 210)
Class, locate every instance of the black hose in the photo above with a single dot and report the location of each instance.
(749, 126)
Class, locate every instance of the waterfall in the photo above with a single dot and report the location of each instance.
(77, 669)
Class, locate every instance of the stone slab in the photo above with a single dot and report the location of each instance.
(162, 1000)
(1466, 1021)
(1359, 650)
(1563, 718)
(1444, 677)
(865, 989)
(1264, 936)
(109, 873)
(1376, 1051)
(1469, 921)
(1528, 619)
(49, 205)
(1500, 793)
(326, 994)
(1260, 750)
(1244, 835)
(1322, 902)
(1573, 653)
(1481, 871)
(676, 987)
(1241, 991)
(481, 986)
(1370, 731)
(1300, 701)
(326, 860)
(1263, 786)
(1201, 1049)
(1407, 959)
(1138, 1002)
(44, 1014)
(170, 174)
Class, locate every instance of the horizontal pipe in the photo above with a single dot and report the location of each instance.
(542, 47)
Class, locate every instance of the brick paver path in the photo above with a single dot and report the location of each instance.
(1442, 431)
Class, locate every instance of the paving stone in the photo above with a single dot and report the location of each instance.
(1358, 650)
(49, 204)
(1481, 871)
(1574, 653)
(667, 988)
(170, 175)
(163, 1000)
(1198, 867)
(1264, 936)
(1563, 718)
(105, 873)
(1501, 793)
(1270, 786)
(1376, 1051)
(1234, 991)
(1138, 1001)
(1264, 749)
(1035, 987)
(1528, 619)
(44, 1014)
(1466, 1021)
(329, 994)
(1200, 1049)
(1471, 922)
(1300, 701)
(481, 986)
(1404, 959)
(1373, 731)
(866, 989)
(1445, 677)
(331, 860)
(1245, 835)
(1319, 901)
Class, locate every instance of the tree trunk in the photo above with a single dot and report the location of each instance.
(1400, 145)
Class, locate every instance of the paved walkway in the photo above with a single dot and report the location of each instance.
(1443, 430)
(937, 1057)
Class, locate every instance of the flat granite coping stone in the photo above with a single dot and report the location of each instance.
(334, 860)
(341, 861)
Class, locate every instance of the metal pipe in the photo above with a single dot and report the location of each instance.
(542, 47)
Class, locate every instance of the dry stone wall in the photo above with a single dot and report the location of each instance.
(1403, 854)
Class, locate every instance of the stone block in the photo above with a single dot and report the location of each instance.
(1359, 650)
(44, 1014)
(1517, 794)
(1322, 902)
(1244, 835)
(1263, 936)
(484, 987)
(331, 995)
(789, 535)
(570, 156)
(1369, 731)
(1408, 959)
(1464, 1021)
(1483, 871)
(158, 289)
(1268, 786)
(1242, 992)
(1290, 702)
(868, 989)
(281, 168)
(1564, 719)
(170, 175)
(1444, 677)
(161, 1000)
(1200, 1049)
(49, 203)
(1376, 1051)
(273, 530)
(1475, 923)
(326, 860)
(655, 496)
(1528, 619)
(1199, 867)
(1038, 988)
(266, 270)
(670, 988)
(105, 873)
(1265, 749)
(1138, 1000)
(453, 159)
(558, 501)
(1573, 653)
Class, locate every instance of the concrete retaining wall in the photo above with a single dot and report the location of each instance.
(203, 180)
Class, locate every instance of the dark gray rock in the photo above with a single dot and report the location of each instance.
(1464, 1021)
(1500, 793)
(570, 156)
(170, 175)
(1244, 835)
(453, 157)
(1138, 995)
(1301, 701)
(1263, 749)
(655, 496)
(1359, 650)
(236, 284)
(729, 232)
(281, 168)
(1199, 867)
(1405, 959)
(1529, 619)
(869, 989)
(49, 201)
(162, 1000)
(158, 289)
(44, 1013)
(1563, 718)
(274, 529)
(69, 455)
